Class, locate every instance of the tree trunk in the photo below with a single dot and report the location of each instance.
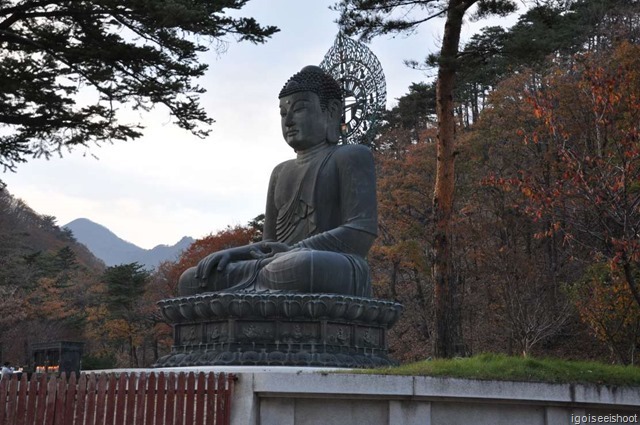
(394, 279)
(631, 282)
(156, 354)
(448, 329)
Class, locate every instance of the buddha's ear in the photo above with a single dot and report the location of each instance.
(334, 112)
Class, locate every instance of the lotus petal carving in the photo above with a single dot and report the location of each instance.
(240, 308)
(187, 311)
(291, 308)
(266, 307)
(201, 306)
(354, 311)
(315, 308)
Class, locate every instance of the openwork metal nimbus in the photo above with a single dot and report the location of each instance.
(364, 87)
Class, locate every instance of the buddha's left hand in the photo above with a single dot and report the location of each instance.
(269, 249)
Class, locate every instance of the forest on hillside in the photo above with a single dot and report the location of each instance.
(45, 276)
(53, 289)
(546, 215)
(546, 243)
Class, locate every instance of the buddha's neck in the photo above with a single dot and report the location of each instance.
(311, 153)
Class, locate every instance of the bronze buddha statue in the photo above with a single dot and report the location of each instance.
(321, 214)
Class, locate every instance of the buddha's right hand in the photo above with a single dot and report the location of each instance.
(220, 259)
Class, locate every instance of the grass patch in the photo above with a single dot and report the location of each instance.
(505, 368)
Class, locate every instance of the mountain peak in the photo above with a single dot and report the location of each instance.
(113, 250)
(85, 222)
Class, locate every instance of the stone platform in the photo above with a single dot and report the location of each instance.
(321, 330)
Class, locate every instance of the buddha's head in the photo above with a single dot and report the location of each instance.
(310, 109)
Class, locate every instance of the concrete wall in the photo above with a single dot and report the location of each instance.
(290, 397)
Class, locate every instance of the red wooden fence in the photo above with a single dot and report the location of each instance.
(117, 399)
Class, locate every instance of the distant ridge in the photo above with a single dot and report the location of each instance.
(111, 249)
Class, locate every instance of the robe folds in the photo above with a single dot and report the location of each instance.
(323, 205)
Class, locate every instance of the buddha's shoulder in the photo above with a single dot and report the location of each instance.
(351, 152)
(283, 164)
(277, 169)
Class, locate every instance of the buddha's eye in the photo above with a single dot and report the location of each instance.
(300, 106)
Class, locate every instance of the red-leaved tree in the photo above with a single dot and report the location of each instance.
(591, 193)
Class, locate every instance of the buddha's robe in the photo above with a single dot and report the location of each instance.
(323, 205)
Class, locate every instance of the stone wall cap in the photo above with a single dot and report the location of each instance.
(319, 382)
(426, 387)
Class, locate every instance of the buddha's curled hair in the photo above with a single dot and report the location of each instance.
(314, 79)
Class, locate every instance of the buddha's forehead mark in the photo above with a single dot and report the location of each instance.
(294, 98)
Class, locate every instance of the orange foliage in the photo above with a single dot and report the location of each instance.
(588, 188)
(580, 182)
(51, 300)
(400, 269)
(13, 306)
(96, 316)
(168, 273)
(165, 279)
(512, 281)
(227, 238)
(605, 303)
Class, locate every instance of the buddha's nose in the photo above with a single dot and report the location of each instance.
(288, 122)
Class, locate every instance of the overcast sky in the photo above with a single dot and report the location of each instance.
(169, 184)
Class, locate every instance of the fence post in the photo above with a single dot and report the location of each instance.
(130, 396)
(162, 398)
(153, 399)
(51, 401)
(180, 396)
(200, 398)
(141, 396)
(58, 416)
(33, 397)
(190, 398)
(169, 403)
(70, 398)
(42, 399)
(3, 401)
(97, 412)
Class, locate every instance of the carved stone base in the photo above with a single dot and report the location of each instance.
(279, 329)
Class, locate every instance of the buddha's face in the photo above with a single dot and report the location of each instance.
(304, 123)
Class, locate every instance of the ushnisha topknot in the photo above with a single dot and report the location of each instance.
(312, 78)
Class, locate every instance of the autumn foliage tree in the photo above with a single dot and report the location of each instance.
(376, 17)
(592, 191)
(44, 278)
(116, 325)
(400, 269)
(512, 281)
(606, 305)
(47, 302)
(228, 238)
(558, 152)
(164, 280)
(587, 192)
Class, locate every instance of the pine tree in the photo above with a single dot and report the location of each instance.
(133, 53)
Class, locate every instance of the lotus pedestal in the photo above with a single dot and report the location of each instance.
(321, 330)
